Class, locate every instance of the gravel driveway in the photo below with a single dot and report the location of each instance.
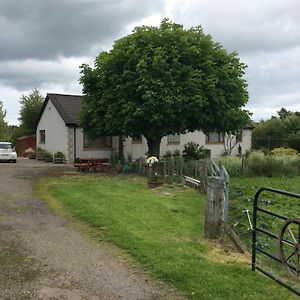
(42, 258)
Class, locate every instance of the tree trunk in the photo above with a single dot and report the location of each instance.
(121, 146)
(153, 146)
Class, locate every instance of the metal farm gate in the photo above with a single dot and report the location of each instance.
(288, 240)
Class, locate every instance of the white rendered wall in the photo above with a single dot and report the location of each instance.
(56, 132)
(139, 149)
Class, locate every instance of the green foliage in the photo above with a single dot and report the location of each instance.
(232, 164)
(3, 123)
(59, 154)
(162, 231)
(192, 151)
(30, 109)
(268, 134)
(13, 132)
(284, 151)
(257, 163)
(163, 80)
(43, 154)
(176, 153)
(242, 191)
(278, 132)
(168, 153)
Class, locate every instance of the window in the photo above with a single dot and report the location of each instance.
(239, 136)
(215, 138)
(6, 146)
(173, 138)
(97, 143)
(137, 139)
(42, 136)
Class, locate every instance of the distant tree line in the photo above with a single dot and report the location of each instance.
(282, 130)
(31, 105)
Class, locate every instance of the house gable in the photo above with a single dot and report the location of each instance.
(68, 107)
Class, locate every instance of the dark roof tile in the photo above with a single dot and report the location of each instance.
(68, 106)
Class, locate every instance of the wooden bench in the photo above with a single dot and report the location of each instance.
(87, 164)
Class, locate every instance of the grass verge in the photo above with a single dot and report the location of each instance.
(163, 231)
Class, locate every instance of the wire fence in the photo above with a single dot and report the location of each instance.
(173, 170)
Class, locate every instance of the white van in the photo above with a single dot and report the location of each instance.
(7, 152)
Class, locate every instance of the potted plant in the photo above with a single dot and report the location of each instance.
(153, 181)
(48, 156)
(59, 157)
(40, 154)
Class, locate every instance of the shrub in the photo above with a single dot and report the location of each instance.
(40, 153)
(59, 154)
(168, 154)
(259, 164)
(284, 151)
(176, 153)
(47, 155)
(194, 151)
(232, 164)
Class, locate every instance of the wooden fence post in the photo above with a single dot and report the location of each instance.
(214, 208)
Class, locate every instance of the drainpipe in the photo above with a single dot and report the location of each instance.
(74, 144)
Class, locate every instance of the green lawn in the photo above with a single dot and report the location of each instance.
(162, 230)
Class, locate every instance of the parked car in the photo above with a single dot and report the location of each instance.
(7, 152)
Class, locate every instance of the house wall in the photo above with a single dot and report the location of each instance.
(81, 152)
(217, 149)
(56, 132)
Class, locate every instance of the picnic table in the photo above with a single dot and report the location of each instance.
(95, 164)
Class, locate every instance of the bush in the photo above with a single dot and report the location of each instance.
(59, 154)
(232, 164)
(47, 155)
(284, 151)
(176, 153)
(168, 154)
(259, 164)
(194, 151)
(40, 153)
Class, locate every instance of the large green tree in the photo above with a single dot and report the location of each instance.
(31, 105)
(3, 123)
(163, 80)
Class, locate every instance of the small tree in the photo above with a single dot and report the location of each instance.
(230, 142)
(193, 151)
(164, 80)
(30, 109)
(3, 123)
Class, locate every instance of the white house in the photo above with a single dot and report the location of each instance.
(58, 130)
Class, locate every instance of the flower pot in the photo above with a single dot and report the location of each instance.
(152, 184)
(58, 160)
(48, 159)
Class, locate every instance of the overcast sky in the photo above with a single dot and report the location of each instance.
(43, 43)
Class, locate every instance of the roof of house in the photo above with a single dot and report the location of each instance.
(26, 137)
(68, 106)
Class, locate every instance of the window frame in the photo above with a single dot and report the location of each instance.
(239, 137)
(86, 142)
(42, 135)
(210, 140)
(173, 139)
(137, 139)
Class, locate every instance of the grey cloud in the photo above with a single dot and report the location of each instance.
(34, 73)
(47, 29)
(246, 26)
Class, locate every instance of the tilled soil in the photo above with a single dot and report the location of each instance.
(42, 258)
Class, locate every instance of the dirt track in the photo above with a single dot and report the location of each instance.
(42, 258)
